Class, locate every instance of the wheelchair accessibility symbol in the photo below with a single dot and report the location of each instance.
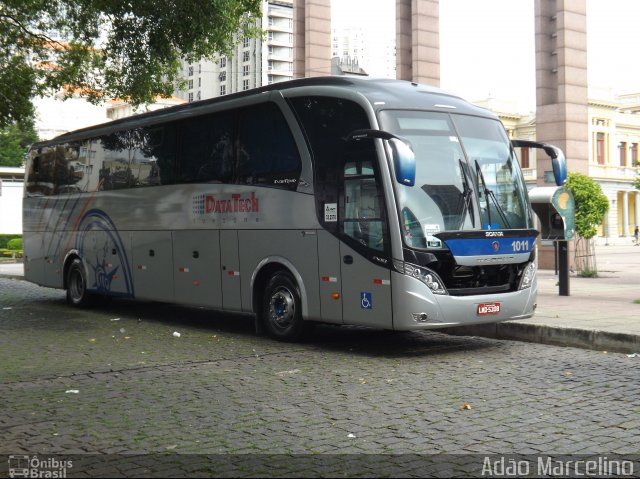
(366, 302)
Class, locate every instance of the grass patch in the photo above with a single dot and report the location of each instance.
(588, 273)
(636, 301)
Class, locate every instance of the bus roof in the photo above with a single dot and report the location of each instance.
(381, 93)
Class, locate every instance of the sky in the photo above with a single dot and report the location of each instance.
(487, 46)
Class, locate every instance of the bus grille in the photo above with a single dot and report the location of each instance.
(478, 280)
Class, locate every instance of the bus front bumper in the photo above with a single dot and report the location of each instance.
(415, 307)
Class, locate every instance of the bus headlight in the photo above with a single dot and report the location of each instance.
(428, 277)
(527, 276)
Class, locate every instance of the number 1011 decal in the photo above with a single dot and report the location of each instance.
(521, 245)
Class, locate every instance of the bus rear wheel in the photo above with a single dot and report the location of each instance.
(282, 308)
(77, 294)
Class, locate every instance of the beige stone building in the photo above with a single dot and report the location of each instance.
(614, 139)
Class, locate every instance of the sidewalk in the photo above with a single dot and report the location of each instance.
(599, 313)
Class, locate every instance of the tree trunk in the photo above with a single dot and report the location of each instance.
(585, 257)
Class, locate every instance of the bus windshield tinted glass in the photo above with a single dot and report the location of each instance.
(467, 177)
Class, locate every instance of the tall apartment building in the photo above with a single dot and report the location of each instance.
(373, 51)
(254, 62)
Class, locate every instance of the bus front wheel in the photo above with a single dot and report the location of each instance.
(77, 294)
(282, 308)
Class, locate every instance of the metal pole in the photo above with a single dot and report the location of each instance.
(563, 261)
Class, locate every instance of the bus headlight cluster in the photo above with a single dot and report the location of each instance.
(428, 277)
(527, 276)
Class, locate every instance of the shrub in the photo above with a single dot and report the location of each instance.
(4, 239)
(14, 244)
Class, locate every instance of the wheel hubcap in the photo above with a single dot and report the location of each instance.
(76, 285)
(282, 307)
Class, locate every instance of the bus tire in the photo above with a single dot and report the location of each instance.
(77, 294)
(282, 308)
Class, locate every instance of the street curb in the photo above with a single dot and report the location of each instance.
(17, 277)
(557, 336)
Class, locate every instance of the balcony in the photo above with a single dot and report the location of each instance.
(614, 172)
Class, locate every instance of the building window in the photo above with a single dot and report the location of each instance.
(223, 62)
(245, 56)
(600, 148)
(190, 97)
(623, 153)
(199, 96)
(190, 84)
(634, 154)
(223, 90)
(269, 65)
(223, 76)
(245, 85)
(524, 158)
(199, 82)
(270, 36)
(245, 70)
(190, 70)
(245, 42)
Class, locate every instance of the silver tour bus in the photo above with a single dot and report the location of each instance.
(339, 200)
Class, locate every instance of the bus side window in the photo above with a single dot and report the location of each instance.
(158, 149)
(363, 208)
(115, 172)
(267, 153)
(72, 173)
(206, 153)
(325, 122)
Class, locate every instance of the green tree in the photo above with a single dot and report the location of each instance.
(591, 207)
(112, 49)
(14, 141)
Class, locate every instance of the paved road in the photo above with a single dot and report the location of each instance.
(218, 399)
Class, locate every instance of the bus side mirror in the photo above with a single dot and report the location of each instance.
(404, 160)
(558, 161)
(559, 165)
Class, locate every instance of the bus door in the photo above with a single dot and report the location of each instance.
(153, 265)
(34, 257)
(196, 267)
(230, 263)
(366, 277)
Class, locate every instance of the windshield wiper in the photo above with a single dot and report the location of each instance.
(490, 194)
(466, 196)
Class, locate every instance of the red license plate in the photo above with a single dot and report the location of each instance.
(488, 308)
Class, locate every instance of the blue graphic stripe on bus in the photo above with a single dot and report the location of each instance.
(53, 253)
(98, 220)
(490, 246)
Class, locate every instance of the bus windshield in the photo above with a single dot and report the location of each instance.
(467, 176)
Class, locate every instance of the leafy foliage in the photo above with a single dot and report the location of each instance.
(14, 140)
(4, 239)
(112, 49)
(14, 244)
(591, 204)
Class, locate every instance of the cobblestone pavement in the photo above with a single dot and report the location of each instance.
(218, 400)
